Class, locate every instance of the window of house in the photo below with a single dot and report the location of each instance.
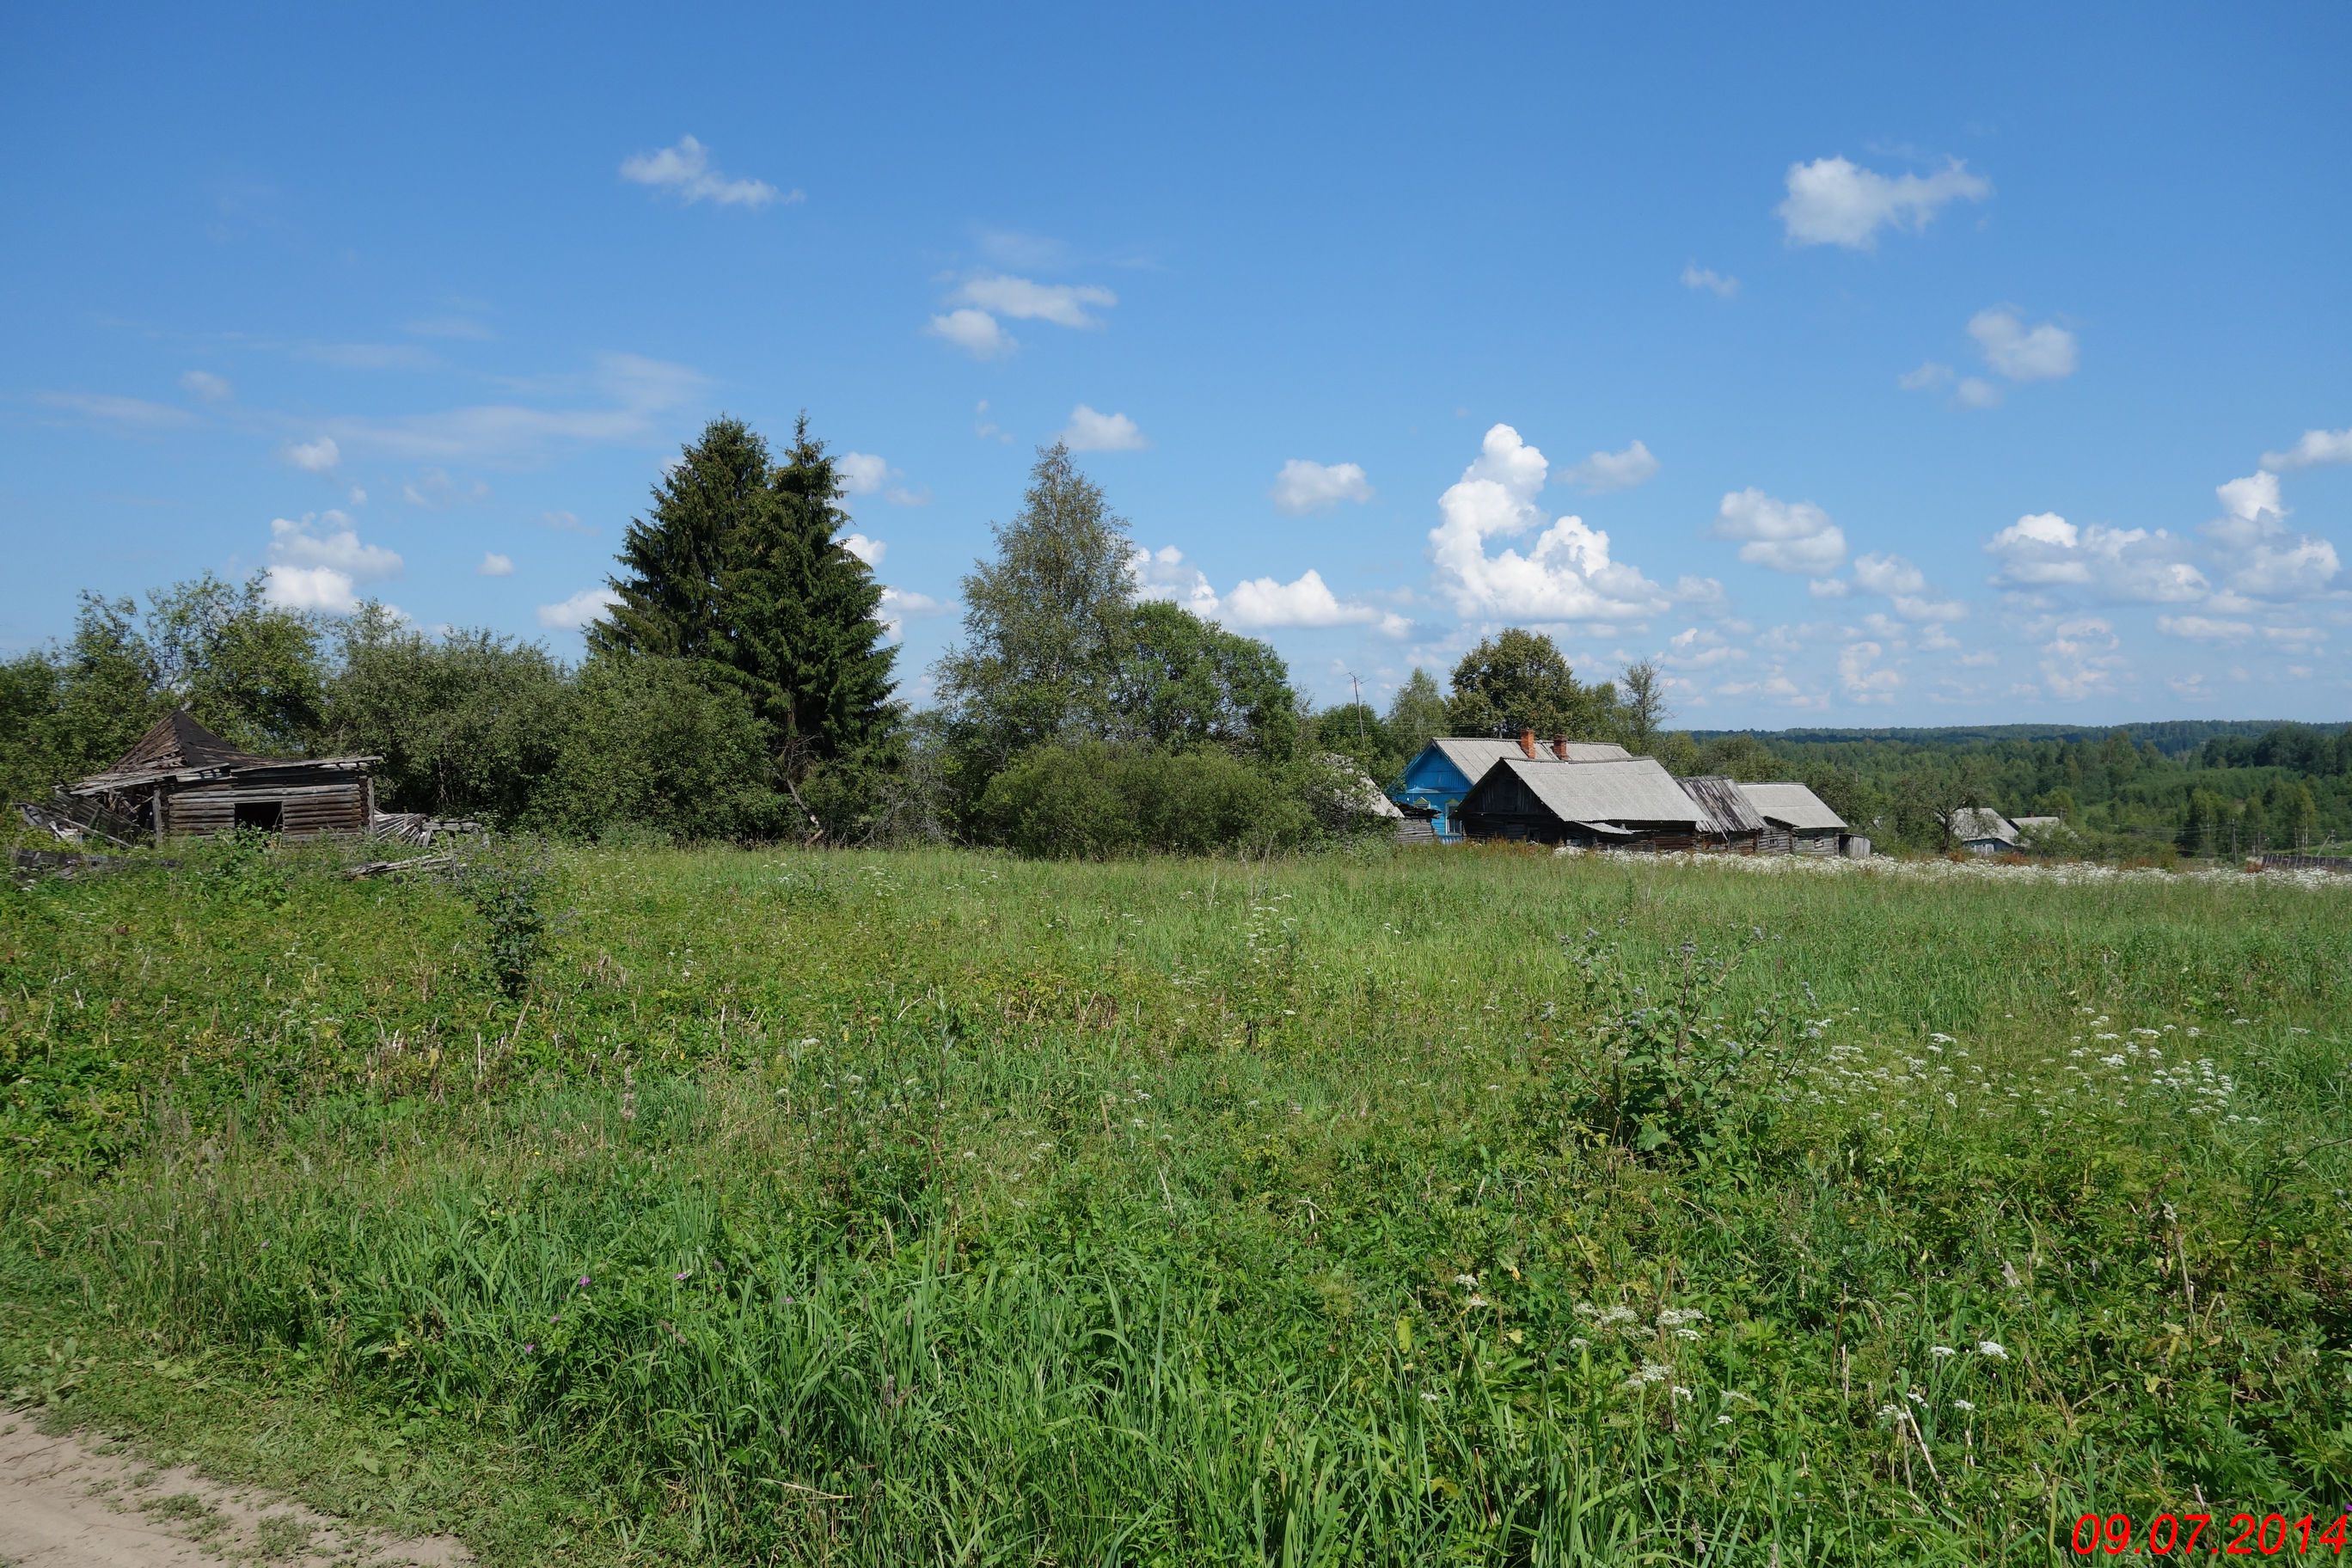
(266, 816)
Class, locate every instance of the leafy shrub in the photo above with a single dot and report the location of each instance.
(510, 883)
(1099, 800)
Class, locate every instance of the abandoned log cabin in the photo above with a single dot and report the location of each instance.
(183, 780)
(1796, 820)
(1436, 781)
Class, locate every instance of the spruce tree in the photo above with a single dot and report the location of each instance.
(672, 561)
(796, 613)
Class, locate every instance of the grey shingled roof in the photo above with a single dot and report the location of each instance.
(1792, 805)
(1632, 789)
(1975, 824)
(1473, 756)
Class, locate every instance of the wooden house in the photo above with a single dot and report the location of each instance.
(1981, 830)
(1797, 821)
(1626, 802)
(1438, 780)
(181, 780)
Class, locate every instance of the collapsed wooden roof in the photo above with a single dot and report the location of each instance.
(1727, 808)
(180, 751)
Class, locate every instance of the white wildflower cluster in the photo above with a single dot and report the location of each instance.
(1983, 870)
(1649, 1372)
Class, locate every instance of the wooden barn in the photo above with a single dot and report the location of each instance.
(1627, 802)
(1797, 821)
(183, 780)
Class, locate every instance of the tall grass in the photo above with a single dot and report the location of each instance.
(942, 1207)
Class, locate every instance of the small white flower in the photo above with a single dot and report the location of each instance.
(1579, 1344)
(1429, 1398)
(1941, 1039)
(1681, 1393)
(1962, 1404)
(1475, 1301)
(1686, 1333)
(1993, 1348)
(1940, 1352)
(1465, 1279)
(1723, 1420)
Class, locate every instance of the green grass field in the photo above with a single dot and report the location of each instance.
(1426, 1208)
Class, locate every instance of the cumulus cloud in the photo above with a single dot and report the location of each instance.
(1260, 602)
(862, 473)
(1929, 377)
(685, 172)
(1904, 584)
(1566, 576)
(494, 565)
(2081, 659)
(2132, 564)
(869, 551)
(317, 457)
(2317, 446)
(1063, 304)
(1828, 587)
(2267, 561)
(1615, 470)
(900, 605)
(2204, 628)
(1973, 392)
(1864, 678)
(1714, 282)
(2045, 352)
(1303, 487)
(1166, 574)
(1088, 431)
(571, 615)
(319, 563)
(205, 386)
(1833, 202)
(974, 332)
(1786, 536)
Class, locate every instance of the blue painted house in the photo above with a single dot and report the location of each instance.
(1439, 778)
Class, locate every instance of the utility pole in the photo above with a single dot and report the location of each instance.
(1359, 687)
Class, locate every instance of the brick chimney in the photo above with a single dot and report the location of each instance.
(1559, 747)
(1528, 741)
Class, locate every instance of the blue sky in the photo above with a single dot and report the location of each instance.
(1883, 366)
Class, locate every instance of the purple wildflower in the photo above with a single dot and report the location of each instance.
(583, 1282)
(531, 1348)
(682, 1273)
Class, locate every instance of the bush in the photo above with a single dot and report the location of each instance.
(1096, 801)
(508, 883)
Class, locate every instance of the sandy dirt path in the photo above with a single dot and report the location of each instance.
(78, 1501)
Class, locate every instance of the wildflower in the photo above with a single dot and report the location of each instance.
(1579, 1344)
(1686, 1333)
(1475, 1300)
(265, 1247)
(1941, 1039)
(1681, 1393)
(1962, 1404)
(1993, 1348)
(1723, 1420)
(681, 1274)
(531, 1348)
(557, 1319)
(1890, 1413)
(1428, 1398)
(1940, 1352)
(583, 1282)
(1465, 1279)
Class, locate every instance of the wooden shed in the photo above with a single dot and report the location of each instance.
(181, 779)
(1797, 821)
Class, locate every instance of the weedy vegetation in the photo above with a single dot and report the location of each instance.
(644, 1204)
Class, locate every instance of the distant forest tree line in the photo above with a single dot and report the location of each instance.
(739, 687)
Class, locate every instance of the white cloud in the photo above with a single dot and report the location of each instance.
(869, 551)
(1860, 673)
(1303, 487)
(1615, 470)
(1828, 587)
(132, 411)
(1260, 602)
(862, 473)
(1973, 392)
(900, 605)
(638, 390)
(1088, 431)
(1063, 304)
(1929, 377)
(1568, 576)
(2317, 446)
(565, 522)
(2045, 352)
(2202, 629)
(2265, 560)
(1785, 536)
(974, 332)
(686, 173)
(1165, 575)
(1906, 586)
(205, 384)
(434, 489)
(311, 570)
(494, 565)
(1833, 202)
(2080, 660)
(576, 612)
(986, 428)
(316, 457)
(2043, 549)
(1717, 283)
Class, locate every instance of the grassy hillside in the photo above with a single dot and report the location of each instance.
(1459, 1207)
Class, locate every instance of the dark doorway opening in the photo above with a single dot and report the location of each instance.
(265, 815)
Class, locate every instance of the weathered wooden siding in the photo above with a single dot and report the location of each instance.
(306, 811)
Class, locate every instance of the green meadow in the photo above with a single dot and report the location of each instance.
(1365, 1208)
